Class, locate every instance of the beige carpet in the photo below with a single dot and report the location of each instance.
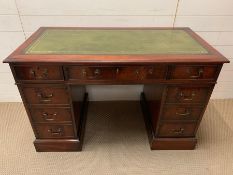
(116, 143)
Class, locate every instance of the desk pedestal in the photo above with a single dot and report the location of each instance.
(65, 145)
(157, 143)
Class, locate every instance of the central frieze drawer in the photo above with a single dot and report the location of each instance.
(38, 72)
(50, 115)
(54, 131)
(121, 73)
(187, 94)
(44, 94)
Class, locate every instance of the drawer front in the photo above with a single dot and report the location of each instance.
(181, 112)
(141, 72)
(194, 72)
(49, 115)
(177, 129)
(38, 72)
(90, 73)
(130, 73)
(46, 95)
(120, 73)
(55, 131)
(187, 94)
(155, 72)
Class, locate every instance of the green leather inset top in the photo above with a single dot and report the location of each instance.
(114, 42)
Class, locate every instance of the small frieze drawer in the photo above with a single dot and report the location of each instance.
(45, 94)
(38, 72)
(187, 94)
(181, 112)
(54, 131)
(177, 130)
(194, 72)
(51, 115)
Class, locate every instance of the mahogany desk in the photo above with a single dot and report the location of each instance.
(177, 68)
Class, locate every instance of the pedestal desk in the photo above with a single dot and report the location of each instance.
(177, 68)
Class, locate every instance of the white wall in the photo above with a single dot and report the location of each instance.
(212, 19)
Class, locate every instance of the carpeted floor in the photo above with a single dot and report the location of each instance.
(116, 143)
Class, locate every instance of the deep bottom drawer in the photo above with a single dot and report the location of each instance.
(55, 131)
(177, 129)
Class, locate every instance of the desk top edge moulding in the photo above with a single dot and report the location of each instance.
(129, 45)
(177, 68)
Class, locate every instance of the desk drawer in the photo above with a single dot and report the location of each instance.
(115, 73)
(187, 94)
(38, 72)
(194, 72)
(44, 94)
(141, 72)
(90, 73)
(181, 112)
(177, 129)
(51, 115)
(55, 131)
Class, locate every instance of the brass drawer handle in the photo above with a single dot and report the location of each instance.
(200, 73)
(54, 133)
(45, 98)
(44, 74)
(186, 113)
(187, 98)
(178, 131)
(96, 73)
(46, 116)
